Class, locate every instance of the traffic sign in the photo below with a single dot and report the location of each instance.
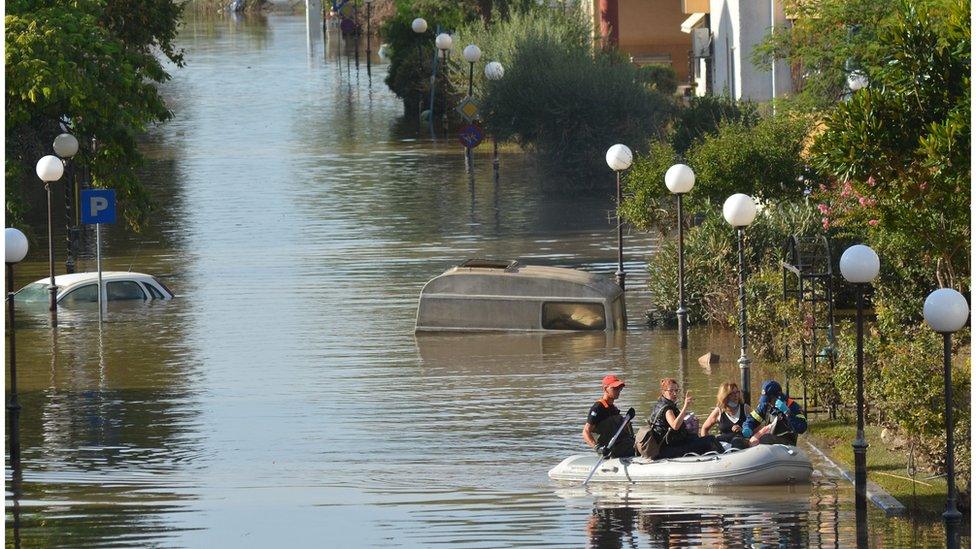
(471, 136)
(469, 109)
(97, 206)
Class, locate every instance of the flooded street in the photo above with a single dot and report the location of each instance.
(283, 399)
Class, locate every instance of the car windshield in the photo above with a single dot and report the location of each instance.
(33, 293)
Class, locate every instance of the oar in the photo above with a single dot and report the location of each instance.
(627, 418)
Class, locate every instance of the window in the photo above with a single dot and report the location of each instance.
(85, 294)
(33, 293)
(573, 316)
(125, 289)
(156, 294)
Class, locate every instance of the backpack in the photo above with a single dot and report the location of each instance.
(645, 444)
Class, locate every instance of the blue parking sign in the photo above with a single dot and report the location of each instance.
(97, 206)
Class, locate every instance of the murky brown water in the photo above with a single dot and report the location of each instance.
(282, 399)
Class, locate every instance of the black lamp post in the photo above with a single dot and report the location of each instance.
(15, 248)
(739, 211)
(859, 265)
(619, 158)
(494, 71)
(680, 179)
(50, 169)
(66, 146)
(369, 13)
(471, 54)
(946, 311)
(419, 26)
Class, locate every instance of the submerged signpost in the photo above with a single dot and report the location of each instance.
(98, 207)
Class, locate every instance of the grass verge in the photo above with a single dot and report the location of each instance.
(887, 466)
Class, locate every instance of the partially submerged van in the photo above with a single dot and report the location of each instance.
(485, 295)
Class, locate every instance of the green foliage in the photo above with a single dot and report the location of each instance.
(704, 115)
(904, 387)
(899, 150)
(826, 40)
(91, 65)
(565, 102)
(411, 54)
(711, 272)
(660, 78)
(762, 160)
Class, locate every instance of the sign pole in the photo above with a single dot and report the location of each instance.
(98, 207)
(98, 262)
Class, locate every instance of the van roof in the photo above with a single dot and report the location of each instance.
(536, 280)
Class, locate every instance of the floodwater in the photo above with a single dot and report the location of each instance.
(282, 398)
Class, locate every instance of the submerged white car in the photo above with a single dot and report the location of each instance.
(78, 288)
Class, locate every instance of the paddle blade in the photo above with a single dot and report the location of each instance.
(631, 413)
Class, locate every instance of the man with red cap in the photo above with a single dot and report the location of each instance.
(604, 420)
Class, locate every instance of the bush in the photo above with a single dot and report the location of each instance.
(704, 115)
(761, 160)
(660, 78)
(711, 273)
(563, 101)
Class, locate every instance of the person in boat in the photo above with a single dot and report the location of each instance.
(669, 427)
(730, 414)
(605, 419)
(775, 408)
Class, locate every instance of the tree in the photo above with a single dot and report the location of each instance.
(90, 66)
(899, 151)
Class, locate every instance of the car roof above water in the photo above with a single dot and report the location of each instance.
(64, 280)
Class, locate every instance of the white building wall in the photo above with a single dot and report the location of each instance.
(737, 27)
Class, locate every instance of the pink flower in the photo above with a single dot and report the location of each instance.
(923, 185)
(870, 181)
(826, 223)
(846, 191)
(824, 209)
(873, 222)
(866, 202)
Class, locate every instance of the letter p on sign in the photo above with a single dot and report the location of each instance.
(97, 206)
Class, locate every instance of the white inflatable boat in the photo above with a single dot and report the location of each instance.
(759, 465)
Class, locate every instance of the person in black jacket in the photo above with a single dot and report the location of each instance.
(668, 426)
(604, 420)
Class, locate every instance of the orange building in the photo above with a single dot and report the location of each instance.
(647, 30)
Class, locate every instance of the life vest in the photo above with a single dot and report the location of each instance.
(609, 426)
(660, 424)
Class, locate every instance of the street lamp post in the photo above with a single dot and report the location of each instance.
(680, 179)
(419, 26)
(494, 71)
(50, 169)
(369, 13)
(66, 146)
(619, 158)
(946, 311)
(739, 211)
(859, 265)
(471, 54)
(443, 42)
(15, 248)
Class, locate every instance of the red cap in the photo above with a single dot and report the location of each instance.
(612, 381)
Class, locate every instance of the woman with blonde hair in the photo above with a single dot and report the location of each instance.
(730, 414)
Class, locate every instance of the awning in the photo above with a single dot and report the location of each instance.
(694, 21)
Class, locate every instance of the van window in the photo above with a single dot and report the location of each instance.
(125, 289)
(573, 316)
(85, 294)
(156, 294)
